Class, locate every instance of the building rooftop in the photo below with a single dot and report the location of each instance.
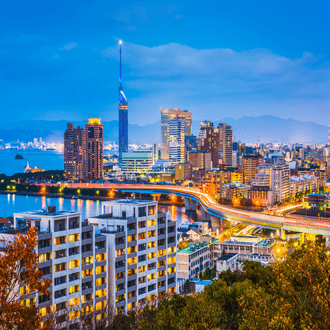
(128, 201)
(237, 243)
(227, 256)
(50, 212)
(193, 248)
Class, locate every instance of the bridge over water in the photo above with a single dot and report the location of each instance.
(214, 212)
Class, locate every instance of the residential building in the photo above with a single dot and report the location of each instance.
(281, 182)
(73, 255)
(176, 142)
(250, 164)
(193, 260)
(94, 148)
(231, 190)
(123, 116)
(141, 252)
(168, 115)
(211, 184)
(200, 162)
(226, 143)
(74, 153)
(182, 172)
(261, 196)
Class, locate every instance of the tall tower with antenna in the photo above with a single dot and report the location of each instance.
(123, 115)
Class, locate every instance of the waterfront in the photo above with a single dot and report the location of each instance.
(10, 204)
(47, 160)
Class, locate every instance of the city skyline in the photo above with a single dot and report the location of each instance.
(242, 68)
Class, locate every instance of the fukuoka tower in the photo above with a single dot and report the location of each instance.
(123, 115)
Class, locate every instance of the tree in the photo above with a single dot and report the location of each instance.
(19, 274)
(187, 285)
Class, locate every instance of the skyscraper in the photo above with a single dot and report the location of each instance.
(74, 153)
(168, 115)
(176, 143)
(226, 143)
(123, 115)
(208, 140)
(94, 148)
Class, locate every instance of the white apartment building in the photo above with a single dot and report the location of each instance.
(138, 161)
(281, 182)
(73, 255)
(141, 252)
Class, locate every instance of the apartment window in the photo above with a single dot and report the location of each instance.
(151, 255)
(100, 281)
(142, 247)
(152, 222)
(120, 240)
(88, 309)
(161, 220)
(171, 260)
(161, 242)
(120, 252)
(131, 294)
(73, 251)
(120, 287)
(87, 235)
(152, 210)
(131, 238)
(142, 279)
(87, 272)
(120, 298)
(46, 270)
(73, 277)
(161, 273)
(60, 254)
(131, 249)
(131, 226)
(60, 267)
(161, 231)
(120, 275)
(142, 236)
(142, 258)
(45, 311)
(131, 261)
(142, 224)
(100, 293)
(171, 229)
(100, 305)
(42, 299)
(171, 280)
(60, 293)
(74, 263)
(87, 260)
(73, 238)
(60, 280)
(87, 285)
(152, 266)
(152, 276)
(171, 240)
(142, 211)
(131, 283)
(142, 290)
(171, 270)
(87, 248)
(100, 245)
(161, 263)
(142, 268)
(74, 289)
(44, 243)
(45, 257)
(60, 240)
(171, 249)
(131, 272)
(152, 245)
(120, 264)
(162, 253)
(151, 287)
(101, 257)
(151, 233)
(74, 314)
(99, 270)
(60, 306)
(74, 302)
(60, 319)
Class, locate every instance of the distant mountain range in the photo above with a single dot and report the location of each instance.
(245, 129)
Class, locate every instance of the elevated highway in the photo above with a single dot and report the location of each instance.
(216, 211)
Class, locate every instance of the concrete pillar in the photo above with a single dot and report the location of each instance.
(205, 216)
(156, 197)
(190, 204)
(302, 238)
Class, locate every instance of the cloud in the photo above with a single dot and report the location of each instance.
(70, 46)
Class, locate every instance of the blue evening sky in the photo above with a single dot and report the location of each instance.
(59, 59)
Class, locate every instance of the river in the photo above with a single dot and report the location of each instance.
(10, 204)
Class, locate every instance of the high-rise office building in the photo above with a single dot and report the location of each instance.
(208, 140)
(167, 116)
(176, 142)
(74, 153)
(226, 143)
(94, 148)
(281, 182)
(123, 116)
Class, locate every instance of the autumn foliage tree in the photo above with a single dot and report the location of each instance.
(18, 268)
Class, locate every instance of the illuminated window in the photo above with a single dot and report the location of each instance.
(100, 305)
(171, 249)
(131, 238)
(171, 270)
(131, 261)
(87, 272)
(74, 263)
(74, 289)
(142, 269)
(101, 316)
(74, 301)
(142, 236)
(87, 260)
(74, 314)
(162, 253)
(120, 298)
(161, 273)
(120, 275)
(99, 270)
(120, 252)
(102, 256)
(86, 297)
(152, 276)
(152, 233)
(100, 281)
(45, 257)
(152, 245)
(60, 240)
(152, 222)
(131, 249)
(171, 260)
(45, 311)
(86, 310)
(73, 238)
(131, 272)
(151, 255)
